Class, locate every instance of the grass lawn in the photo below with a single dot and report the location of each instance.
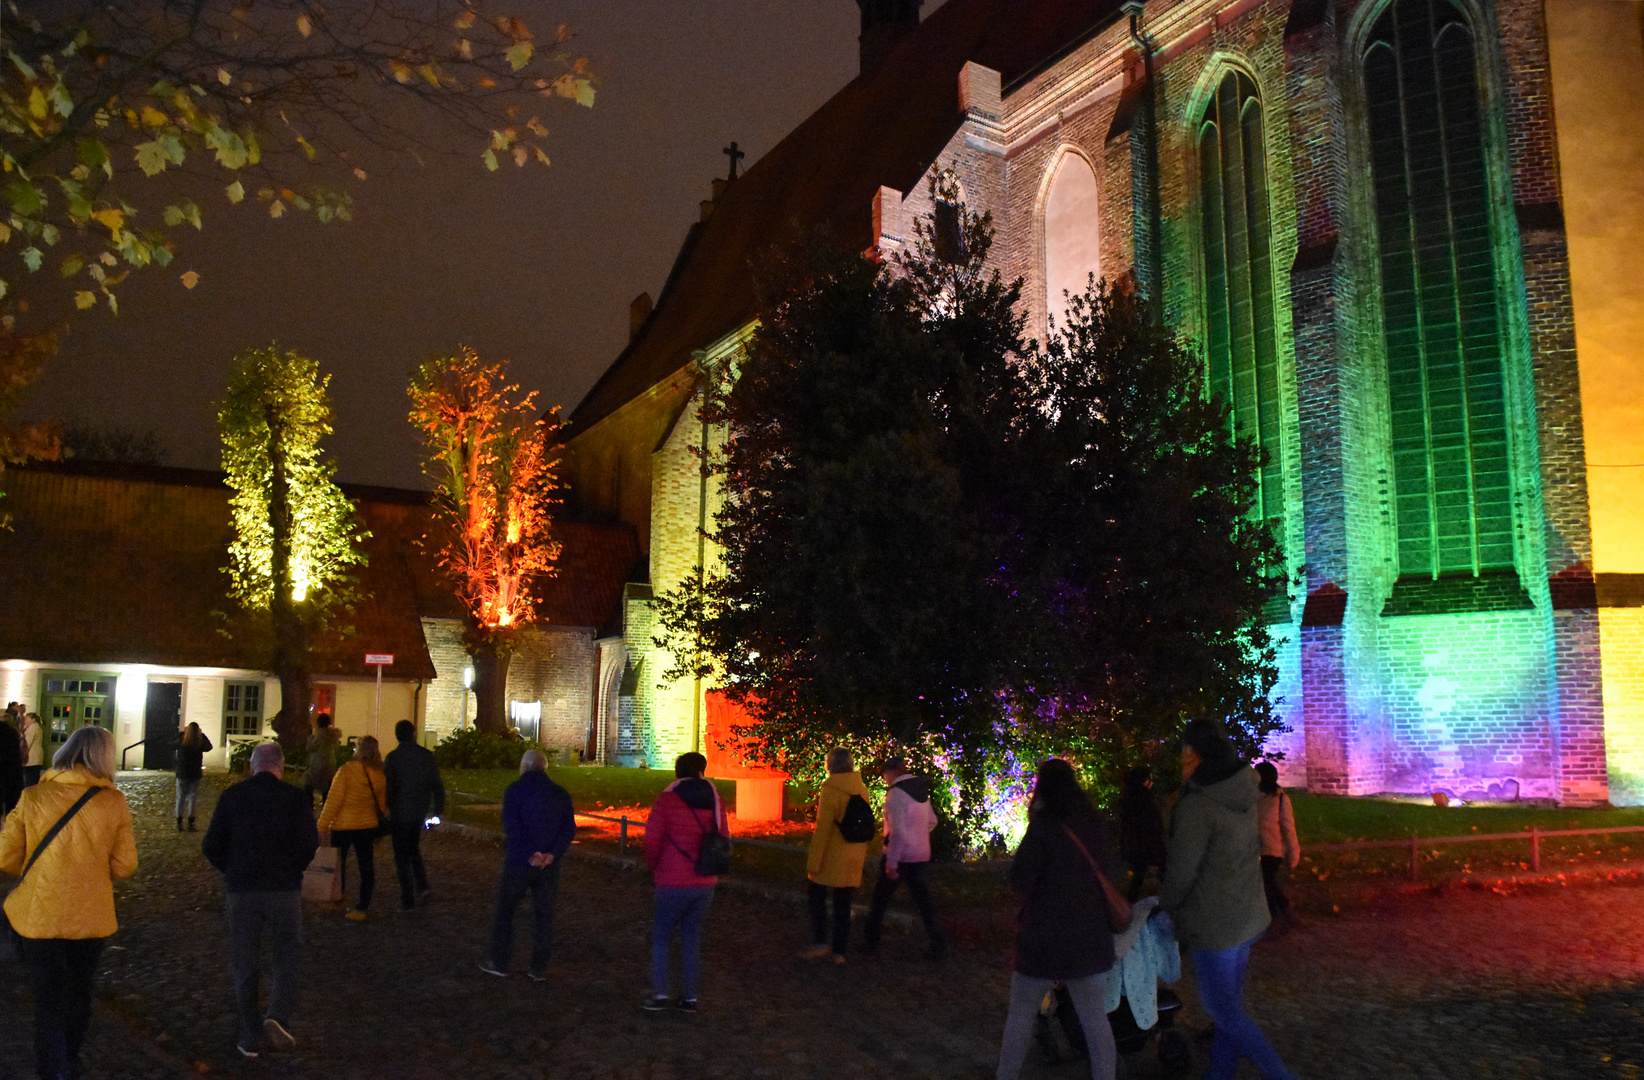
(591, 788)
(1324, 819)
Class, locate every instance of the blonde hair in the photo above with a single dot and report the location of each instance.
(89, 748)
(367, 753)
(840, 760)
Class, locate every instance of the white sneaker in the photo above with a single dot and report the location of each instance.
(278, 1036)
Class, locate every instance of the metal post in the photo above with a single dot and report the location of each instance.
(376, 711)
(1535, 849)
(622, 835)
(1415, 859)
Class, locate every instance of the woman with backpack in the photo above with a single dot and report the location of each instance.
(838, 850)
(1279, 843)
(1064, 932)
(682, 819)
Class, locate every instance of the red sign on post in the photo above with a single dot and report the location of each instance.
(379, 658)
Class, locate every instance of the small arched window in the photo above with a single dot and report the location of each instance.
(1440, 309)
(1073, 232)
(1241, 339)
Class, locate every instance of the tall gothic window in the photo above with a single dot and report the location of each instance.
(1441, 317)
(1073, 233)
(1240, 336)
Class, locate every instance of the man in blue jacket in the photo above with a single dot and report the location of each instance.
(262, 838)
(539, 821)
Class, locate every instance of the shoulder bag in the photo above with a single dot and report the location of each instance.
(1118, 908)
(10, 949)
(713, 855)
(384, 825)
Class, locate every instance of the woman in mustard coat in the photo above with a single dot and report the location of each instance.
(64, 908)
(354, 809)
(835, 864)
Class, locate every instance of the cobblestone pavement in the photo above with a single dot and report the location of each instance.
(1536, 983)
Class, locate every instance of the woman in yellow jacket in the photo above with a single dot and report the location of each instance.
(354, 807)
(64, 907)
(835, 864)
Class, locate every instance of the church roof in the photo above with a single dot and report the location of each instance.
(884, 128)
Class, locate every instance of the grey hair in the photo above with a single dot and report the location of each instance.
(533, 760)
(840, 760)
(89, 748)
(267, 757)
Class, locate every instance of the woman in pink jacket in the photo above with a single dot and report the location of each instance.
(686, 812)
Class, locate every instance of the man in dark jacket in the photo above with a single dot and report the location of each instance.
(539, 820)
(414, 791)
(262, 838)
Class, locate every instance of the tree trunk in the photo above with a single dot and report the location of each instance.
(490, 686)
(292, 724)
(285, 610)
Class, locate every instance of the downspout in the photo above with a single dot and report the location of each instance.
(707, 367)
(1150, 116)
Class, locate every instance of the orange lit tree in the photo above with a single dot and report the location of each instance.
(490, 456)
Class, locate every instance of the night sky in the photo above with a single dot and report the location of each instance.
(533, 265)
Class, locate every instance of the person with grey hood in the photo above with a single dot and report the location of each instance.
(909, 819)
(1213, 891)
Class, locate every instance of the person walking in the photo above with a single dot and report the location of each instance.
(909, 819)
(192, 747)
(11, 763)
(1213, 891)
(322, 759)
(69, 839)
(414, 791)
(355, 809)
(34, 749)
(1279, 843)
(262, 837)
(1064, 933)
(838, 850)
(1141, 830)
(682, 817)
(540, 822)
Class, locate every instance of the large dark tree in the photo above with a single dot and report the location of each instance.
(940, 537)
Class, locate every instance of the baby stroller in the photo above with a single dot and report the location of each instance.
(1064, 1039)
(1145, 953)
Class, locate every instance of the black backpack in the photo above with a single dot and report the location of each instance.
(857, 826)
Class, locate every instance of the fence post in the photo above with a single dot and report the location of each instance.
(1415, 859)
(1535, 849)
(622, 835)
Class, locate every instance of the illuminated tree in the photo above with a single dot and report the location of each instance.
(21, 360)
(104, 105)
(491, 461)
(294, 531)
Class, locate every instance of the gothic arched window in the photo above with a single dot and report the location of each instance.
(1073, 232)
(1241, 338)
(1440, 309)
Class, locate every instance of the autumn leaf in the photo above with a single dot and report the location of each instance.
(490, 159)
(535, 127)
(152, 117)
(224, 77)
(276, 209)
(83, 299)
(73, 265)
(236, 191)
(519, 54)
(359, 173)
(465, 48)
(464, 21)
(402, 72)
(114, 219)
(308, 148)
(304, 27)
(31, 257)
(152, 157)
(542, 157)
(521, 156)
(189, 278)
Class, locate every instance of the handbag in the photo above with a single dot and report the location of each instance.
(1118, 908)
(713, 855)
(384, 825)
(322, 881)
(10, 949)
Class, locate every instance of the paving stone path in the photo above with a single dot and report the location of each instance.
(1538, 983)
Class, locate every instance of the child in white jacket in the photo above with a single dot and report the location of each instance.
(909, 819)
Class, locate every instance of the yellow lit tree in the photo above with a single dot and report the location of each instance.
(490, 457)
(294, 530)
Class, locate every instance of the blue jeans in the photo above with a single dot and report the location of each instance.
(687, 908)
(249, 915)
(543, 885)
(1221, 985)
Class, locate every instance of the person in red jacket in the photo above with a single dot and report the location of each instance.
(686, 812)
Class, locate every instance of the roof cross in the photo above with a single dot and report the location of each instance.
(735, 155)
